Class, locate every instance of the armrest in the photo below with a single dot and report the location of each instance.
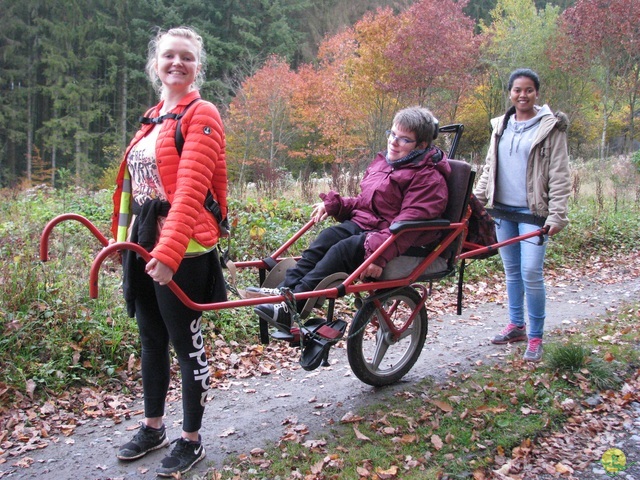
(398, 227)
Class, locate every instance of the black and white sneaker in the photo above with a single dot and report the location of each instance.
(256, 292)
(183, 456)
(144, 441)
(277, 315)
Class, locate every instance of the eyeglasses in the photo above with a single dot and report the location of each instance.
(401, 140)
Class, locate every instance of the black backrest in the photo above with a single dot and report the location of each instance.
(459, 184)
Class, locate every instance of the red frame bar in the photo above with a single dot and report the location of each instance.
(475, 250)
(346, 288)
(386, 316)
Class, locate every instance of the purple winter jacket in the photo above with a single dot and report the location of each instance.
(414, 191)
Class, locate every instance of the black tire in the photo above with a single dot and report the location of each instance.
(375, 357)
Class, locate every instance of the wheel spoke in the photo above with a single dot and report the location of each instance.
(380, 349)
(408, 332)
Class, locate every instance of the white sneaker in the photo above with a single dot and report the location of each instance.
(256, 292)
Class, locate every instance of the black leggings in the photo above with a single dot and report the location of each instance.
(163, 318)
(339, 248)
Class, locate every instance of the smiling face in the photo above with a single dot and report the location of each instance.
(523, 96)
(177, 63)
(401, 143)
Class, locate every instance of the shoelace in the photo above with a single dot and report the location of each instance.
(508, 329)
(282, 305)
(181, 449)
(144, 433)
(534, 344)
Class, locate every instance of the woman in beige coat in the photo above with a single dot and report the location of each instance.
(527, 182)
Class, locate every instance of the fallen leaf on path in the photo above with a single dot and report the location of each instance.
(444, 406)
(349, 417)
(360, 435)
(391, 472)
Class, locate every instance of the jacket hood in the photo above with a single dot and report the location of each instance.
(442, 165)
(438, 159)
(433, 156)
(543, 110)
(562, 121)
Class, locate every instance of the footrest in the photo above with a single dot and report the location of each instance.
(316, 349)
(330, 332)
(287, 337)
(293, 337)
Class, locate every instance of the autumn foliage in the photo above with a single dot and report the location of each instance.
(335, 110)
(340, 107)
(605, 36)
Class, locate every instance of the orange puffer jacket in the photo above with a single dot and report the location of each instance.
(188, 226)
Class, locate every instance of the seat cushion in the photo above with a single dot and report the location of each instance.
(402, 266)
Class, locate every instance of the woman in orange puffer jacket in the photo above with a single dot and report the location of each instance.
(159, 204)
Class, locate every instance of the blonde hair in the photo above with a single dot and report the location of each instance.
(152, 58)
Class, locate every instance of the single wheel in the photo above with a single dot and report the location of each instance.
(377, 355)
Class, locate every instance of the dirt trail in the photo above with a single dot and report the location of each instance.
(253, 412)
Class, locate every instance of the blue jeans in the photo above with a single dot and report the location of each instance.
(523, 264)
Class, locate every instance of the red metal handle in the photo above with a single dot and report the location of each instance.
(479, 250)
(46, 232)
(118, 246)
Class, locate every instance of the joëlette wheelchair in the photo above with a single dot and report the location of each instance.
(388, 331)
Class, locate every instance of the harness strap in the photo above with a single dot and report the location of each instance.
(169, 116)
(517, 217)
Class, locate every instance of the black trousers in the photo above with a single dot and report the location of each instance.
(339, 248)
(162, 319)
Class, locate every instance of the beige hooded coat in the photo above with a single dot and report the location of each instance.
(548, 172)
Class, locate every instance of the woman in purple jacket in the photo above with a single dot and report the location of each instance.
(405, 182)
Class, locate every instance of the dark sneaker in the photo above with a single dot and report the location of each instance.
(511, 333)
(277, 315)
(183, 456)
(255, 292)
(534, 350)
(144, 441)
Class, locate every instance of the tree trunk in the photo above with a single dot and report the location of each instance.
(53, 166)
(123, 105)
(78, 156)
(30, 119)
(633, 98)
(603, 137)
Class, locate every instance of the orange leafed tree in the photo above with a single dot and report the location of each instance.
(603, 38)
(386, 62)
(348, 90)
(342, 97)
(323, 103)
(337, 110)
(259, 126)
(434, 54)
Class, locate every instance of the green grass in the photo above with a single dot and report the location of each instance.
(576, 361)
(454, 429)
